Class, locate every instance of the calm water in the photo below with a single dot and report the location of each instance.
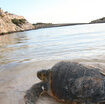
(59, 43)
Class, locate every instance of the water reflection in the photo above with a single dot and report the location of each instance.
(10, 39)
(9, 45)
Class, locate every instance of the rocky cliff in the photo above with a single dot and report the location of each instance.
(13, 23)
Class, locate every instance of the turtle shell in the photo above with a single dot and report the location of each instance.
(67, 76)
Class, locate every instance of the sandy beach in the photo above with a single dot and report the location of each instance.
(14, 82)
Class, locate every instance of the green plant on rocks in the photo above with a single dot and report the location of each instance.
(18, 22)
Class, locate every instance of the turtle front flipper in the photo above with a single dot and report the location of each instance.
(34, 92)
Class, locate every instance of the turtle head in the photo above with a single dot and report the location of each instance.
(43, 75)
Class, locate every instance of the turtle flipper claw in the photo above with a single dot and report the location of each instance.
(34, 92)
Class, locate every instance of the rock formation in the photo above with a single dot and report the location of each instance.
(13, 23)
(101, 20)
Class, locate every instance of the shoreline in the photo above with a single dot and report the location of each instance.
(51, 26)
(15, 32)
(46, 26)
(13, 88)
(41, 26)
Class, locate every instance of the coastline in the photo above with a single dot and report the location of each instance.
(51, 26)
(45, 26)
(14, 32)
(48, 25)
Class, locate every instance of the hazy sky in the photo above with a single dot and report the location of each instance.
(56, 11)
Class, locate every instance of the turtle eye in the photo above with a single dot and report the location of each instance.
(43, 75)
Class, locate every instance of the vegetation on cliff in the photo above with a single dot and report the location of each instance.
(43, 25)
(18, 22)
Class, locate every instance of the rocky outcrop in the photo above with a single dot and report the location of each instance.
(13, 23)
(101, 20)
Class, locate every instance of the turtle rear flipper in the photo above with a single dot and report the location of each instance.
(34, 92)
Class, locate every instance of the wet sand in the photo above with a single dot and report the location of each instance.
(15, 81)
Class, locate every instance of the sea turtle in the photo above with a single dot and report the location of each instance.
(71, 83)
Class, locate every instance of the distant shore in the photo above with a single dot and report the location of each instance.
(48, 25)
(11, 23)
(44, 25)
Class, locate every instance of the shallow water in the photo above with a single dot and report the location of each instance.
(23, 54)
(58, 43)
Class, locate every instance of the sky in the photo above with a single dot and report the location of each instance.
(56, 11)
